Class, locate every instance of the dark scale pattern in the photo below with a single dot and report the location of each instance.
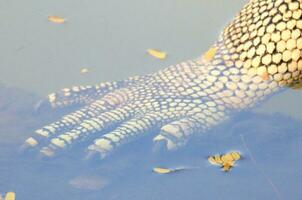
(256, 55)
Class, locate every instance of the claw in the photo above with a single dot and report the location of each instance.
(42, 106)
(162, 142)
(46, 152)
(31, 142)
(98, 152)
(159, 147)
(92, 157)
(95, 156)
(28, 144)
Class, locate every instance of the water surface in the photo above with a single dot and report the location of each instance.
(110, 38)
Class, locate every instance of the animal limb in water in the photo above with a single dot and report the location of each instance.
(257, 55)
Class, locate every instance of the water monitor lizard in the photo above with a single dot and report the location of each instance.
(256, 55)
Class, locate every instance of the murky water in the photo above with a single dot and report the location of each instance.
(110, 38)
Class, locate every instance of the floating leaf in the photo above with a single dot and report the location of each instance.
(212, 160)
(227, 158)
(209, 55)
(226, 161)
(56, 19)
(10, 196)
(236, 156)
(161, 170)
(84, 71)
(157, 54)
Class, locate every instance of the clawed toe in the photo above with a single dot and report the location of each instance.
(42, 106)
(97, 153)
(163, 144)
(46, 152)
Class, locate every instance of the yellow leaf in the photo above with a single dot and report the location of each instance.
(56, 19)
(227, 167)
(212, 160)
(215, 160)
(218, 159)
(157, 54)
(84, 71)
(10, 196)
(236, 155)
(226, 161)
(227, 158)
(160, 170)
(208, 56)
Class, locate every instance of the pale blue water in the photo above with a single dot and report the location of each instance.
(110, 38)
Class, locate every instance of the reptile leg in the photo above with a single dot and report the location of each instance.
(257, 55)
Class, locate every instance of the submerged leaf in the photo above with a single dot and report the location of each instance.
(227, 167)
(212, 160)
(10, 196)
(227, 158)
(218, 159)
(56, 19)
(226, 161)
(157, 54)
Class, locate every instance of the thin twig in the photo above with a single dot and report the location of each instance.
(269, 180)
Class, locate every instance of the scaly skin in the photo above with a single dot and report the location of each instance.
(256, 55)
